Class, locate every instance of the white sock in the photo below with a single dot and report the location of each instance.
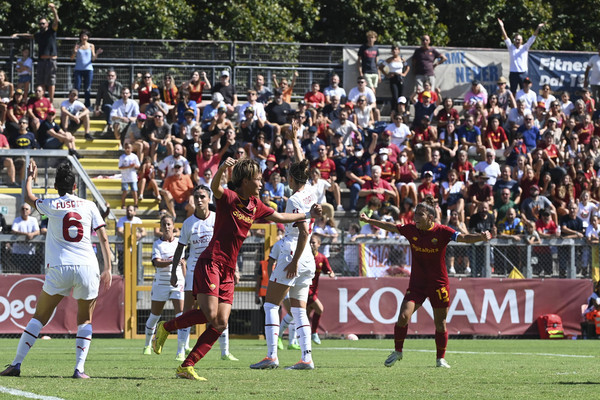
(284, 323)
(28, 338)
(303, 332)
(224, 342)
(83, 340)
(186, 332)
(271, 328)
(292, 333)
(182, 336)
(151, 327)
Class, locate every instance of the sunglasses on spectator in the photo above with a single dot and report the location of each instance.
(158, 116)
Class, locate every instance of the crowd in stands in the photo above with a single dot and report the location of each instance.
(536, 153)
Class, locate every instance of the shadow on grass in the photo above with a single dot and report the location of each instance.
(579, 383)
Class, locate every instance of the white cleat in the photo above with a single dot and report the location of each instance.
(441, 362)
(315, 338)
(392, 358)
(302, 365)
(266, 363)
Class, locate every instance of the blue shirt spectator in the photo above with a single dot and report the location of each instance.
(439, 170)
(531, 134)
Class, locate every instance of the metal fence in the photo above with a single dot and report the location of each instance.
(554, 258)
(180, 58)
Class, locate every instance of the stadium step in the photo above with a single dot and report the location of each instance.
(100, 164)
(18, 191)
(107, 184)
(114, 200)
(98, 144)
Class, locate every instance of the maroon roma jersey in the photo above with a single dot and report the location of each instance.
(322, 265)
(428, 250)
(232, 222)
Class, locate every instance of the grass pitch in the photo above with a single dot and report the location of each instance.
(481, 369)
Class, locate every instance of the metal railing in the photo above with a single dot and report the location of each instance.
(46, 161)
(181, 57)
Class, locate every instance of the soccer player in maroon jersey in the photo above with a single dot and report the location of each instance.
(214, 273)
(314, 304)
(429, 277)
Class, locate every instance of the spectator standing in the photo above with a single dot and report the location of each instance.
(23, 252)
(518, 55)
(7, 163)
(47, 51)
(395, 69)
(129, 164)
(424, 61)
(109, 91)
(367, 61)
(24, 68)
(84, 53)
(6, 93)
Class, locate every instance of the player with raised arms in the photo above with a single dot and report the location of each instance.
(196, 232)
(293, 272)
(429, 276)
(70, 264)
(163, 251)
(214, 273)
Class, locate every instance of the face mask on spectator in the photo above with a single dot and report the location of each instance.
(402, 159)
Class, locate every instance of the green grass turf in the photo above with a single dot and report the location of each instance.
(481, 369)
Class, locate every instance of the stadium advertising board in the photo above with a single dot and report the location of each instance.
(562, 70)
(18, 298)
(490, 307)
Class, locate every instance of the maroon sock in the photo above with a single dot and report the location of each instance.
(314, 326)
(399, 336)
(441, 342)
(185, 320)
(203, 345)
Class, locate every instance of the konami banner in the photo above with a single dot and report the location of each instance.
(490, 307)
(18, 298)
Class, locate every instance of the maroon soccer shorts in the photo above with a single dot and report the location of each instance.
(214, 279)
(438, 296)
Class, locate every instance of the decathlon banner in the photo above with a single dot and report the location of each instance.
(562, 71)
(18, 298)
(493, 307)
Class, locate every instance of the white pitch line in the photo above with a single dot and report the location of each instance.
(29, 395)
(464, 352)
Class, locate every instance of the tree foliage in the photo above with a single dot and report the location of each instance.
(469, 23)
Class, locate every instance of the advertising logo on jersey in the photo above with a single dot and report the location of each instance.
(17, 304)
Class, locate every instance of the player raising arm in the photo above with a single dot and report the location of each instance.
(70, 264)
(429, 276)
(214, 272)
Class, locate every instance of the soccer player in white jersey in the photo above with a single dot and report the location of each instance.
(163, 251)
(70, 264)
(294, 272)
(287, 322)
(196, 232)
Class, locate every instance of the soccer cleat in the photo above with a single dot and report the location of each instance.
(315, 338)
(392, 358)
(266, 363)
(293, 346)
(279, 344)
(441, 362)
(302, 365)
(12, 370)
(80, 375)
(229, 357)
(180, 357)
(147, 350)
(160, 337)
(188, 373)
